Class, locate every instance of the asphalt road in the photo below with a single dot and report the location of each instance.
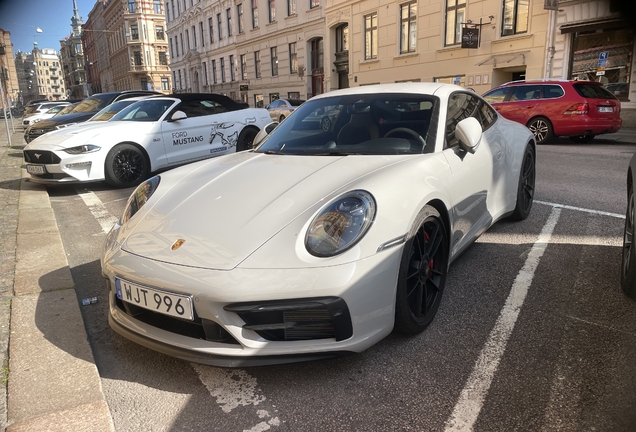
(533, 332)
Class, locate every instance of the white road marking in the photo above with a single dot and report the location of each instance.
(567, 207)
(474, 393)
(98, 210)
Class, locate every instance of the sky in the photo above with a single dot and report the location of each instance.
(23, 17)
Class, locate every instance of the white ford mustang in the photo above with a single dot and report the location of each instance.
(318, 242)
(149, 135)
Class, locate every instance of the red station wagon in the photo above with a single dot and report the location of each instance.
(579, 110)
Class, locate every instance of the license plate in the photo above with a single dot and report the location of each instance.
(176, 305)
(36, 169)
(605, 109)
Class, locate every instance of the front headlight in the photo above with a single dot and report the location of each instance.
(139, 197)
(340, 224)
(86, 148)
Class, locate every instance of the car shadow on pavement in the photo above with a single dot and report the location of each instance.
(13, 185)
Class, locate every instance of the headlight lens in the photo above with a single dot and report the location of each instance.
(341, 224)
(86, 148)
(139, 197)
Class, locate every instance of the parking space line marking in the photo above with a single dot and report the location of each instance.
(472, 397)
(567, 207)
(98, 210)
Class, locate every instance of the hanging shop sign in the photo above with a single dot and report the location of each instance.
(470, 37)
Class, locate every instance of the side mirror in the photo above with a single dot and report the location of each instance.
(263, 133)
(178, 115)
(468, 133)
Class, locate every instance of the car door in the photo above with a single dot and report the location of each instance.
(522, 103)
(187, 139)
(276, 109)
(474, 174)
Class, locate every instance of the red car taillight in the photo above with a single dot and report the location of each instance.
(577, 108)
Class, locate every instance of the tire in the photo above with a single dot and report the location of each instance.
(325, 124)
(281, 118)
(628, 262)
(582, 139)
(525, 189)
(541, 128)
(422, 273)
(126, 166)
(246, 139)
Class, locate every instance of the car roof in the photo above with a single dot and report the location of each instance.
(549, 81)
(185, 97)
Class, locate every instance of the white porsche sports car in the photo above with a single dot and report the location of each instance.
(317, 242)
(150, 135)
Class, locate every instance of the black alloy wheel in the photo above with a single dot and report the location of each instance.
(628, 263)
(541, 128)
(422, 275)
(525, 191)
(246, 139)
(325, 124)
(126, 166)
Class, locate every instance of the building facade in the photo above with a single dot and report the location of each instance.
(72, 57)
(48, 79)
(8, 74)
(256, 51)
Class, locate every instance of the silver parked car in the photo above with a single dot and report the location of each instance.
(281, 108)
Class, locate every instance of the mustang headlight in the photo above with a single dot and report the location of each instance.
(139, 197)
(341, 224)
(86, 148)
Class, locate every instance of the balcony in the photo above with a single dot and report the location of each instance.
(145, 69)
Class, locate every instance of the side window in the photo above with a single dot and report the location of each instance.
(463, 105)
(552, 91)
(276, 104)
(198, 108)
(525, 92)
(497, 95)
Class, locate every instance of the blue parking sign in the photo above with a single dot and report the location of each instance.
(602, 59)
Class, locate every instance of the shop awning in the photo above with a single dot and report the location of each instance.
(583, 26)
(504, 60)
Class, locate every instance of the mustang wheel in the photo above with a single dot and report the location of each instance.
(541, 128)
(422, 274)
(246, 139)
(628, 265)
(582, 139)
(525, 190)
(325, 124)
(126, 166)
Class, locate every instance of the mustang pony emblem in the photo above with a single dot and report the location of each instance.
(37, 155)
(176, 245)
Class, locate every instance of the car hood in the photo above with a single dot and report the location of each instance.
(226, 208)
(64, 119)
(87, 133)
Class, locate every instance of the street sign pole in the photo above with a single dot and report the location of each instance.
(4, 107)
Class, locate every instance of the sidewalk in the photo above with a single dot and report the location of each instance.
(49, 378)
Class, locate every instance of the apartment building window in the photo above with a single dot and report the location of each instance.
(168, 13)
(214, 71)
(218, 26)
(137, 58)
(187, 39)
(243, 66)
(163, 59)
(274, 55)
(371, 36)
(181, 38)
(211, 30)
(165, 84)
(232, 78)
(515, 17)
(257, 63)
(272, 10)
(291, 7)
(156, 5)
(254, 14)
(228, 13)
(201, 33)
(408, 27)
(342, 38)
(173, 15)
(239, 14)
(314, 4)
(222, 65)
(205, 74)
(194, 36)
(180, 84)
(144, 84)
(160, 33)
(131, 6)
(455, 12)
(134, 32)
(293, 58)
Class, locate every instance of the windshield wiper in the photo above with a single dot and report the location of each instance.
(336, 153)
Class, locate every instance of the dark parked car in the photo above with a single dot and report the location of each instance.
(82, 112)
(579, 110)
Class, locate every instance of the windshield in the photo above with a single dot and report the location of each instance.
(145, 110)
(66, 109)
(93, 103)
(357, 124)
(107, 113)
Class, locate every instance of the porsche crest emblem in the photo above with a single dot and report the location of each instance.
(176, 245)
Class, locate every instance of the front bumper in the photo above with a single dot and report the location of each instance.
(365, 287)
(61, 167)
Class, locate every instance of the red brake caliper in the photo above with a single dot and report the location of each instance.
(427, 237)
